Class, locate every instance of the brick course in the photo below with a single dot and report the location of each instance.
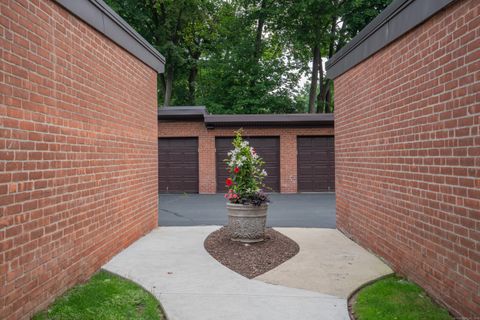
(206, 146)
(78, 153)
(408, 155)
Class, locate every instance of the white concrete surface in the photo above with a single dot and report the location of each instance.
(172, 263)
(328, 262)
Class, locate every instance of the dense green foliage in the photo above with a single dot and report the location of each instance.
(248, 56)
(104, 297)
(396, 298)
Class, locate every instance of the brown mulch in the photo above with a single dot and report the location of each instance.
(254, 259)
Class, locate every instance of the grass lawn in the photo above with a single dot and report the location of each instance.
(396, 298)
(105, 296)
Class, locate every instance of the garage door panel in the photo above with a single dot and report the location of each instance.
(315, 164)
(178, 165)
(180, 143)
(267, 147)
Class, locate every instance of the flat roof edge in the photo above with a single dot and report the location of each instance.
(105, 20)
(248, 120)
(270, 118)
(183, 113)
(397, 19)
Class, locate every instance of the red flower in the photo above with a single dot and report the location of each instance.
(229, 182)
(236, 170)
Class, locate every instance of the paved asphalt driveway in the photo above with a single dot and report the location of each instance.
(309, 210)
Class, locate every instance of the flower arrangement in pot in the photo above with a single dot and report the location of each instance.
(247, 203)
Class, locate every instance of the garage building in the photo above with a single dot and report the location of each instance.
(298, 150)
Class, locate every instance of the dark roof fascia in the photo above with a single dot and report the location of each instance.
(396, 20)
(245, 120)
(182, 113)
(274, 120)
(101, 17)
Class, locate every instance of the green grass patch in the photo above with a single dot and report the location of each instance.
(394, 298)
(104, 297)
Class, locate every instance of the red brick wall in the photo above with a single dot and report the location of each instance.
(408, 155)
(78, 153)
(206, 146)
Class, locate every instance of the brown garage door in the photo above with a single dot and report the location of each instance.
(267, 147)
(178, 165)
(315, 164)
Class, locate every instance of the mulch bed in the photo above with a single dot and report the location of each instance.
(251, 260)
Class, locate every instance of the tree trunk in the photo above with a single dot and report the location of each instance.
(258, 39)
(168, 85)
(162, 82)
(328, 97)
(323, 98)
(320, 101)
(313, 83)
(333, 29)
(192, 78)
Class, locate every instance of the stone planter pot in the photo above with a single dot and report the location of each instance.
(246, 223)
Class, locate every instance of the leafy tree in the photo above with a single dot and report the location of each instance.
(247, 56)
(175, 28)
(246, 72)
(347, 18)
(317, 29)
(304, 24)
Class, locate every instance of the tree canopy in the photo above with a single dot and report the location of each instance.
(248, 56)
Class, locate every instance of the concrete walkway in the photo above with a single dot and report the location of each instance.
(172, 263)
(328, 262)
